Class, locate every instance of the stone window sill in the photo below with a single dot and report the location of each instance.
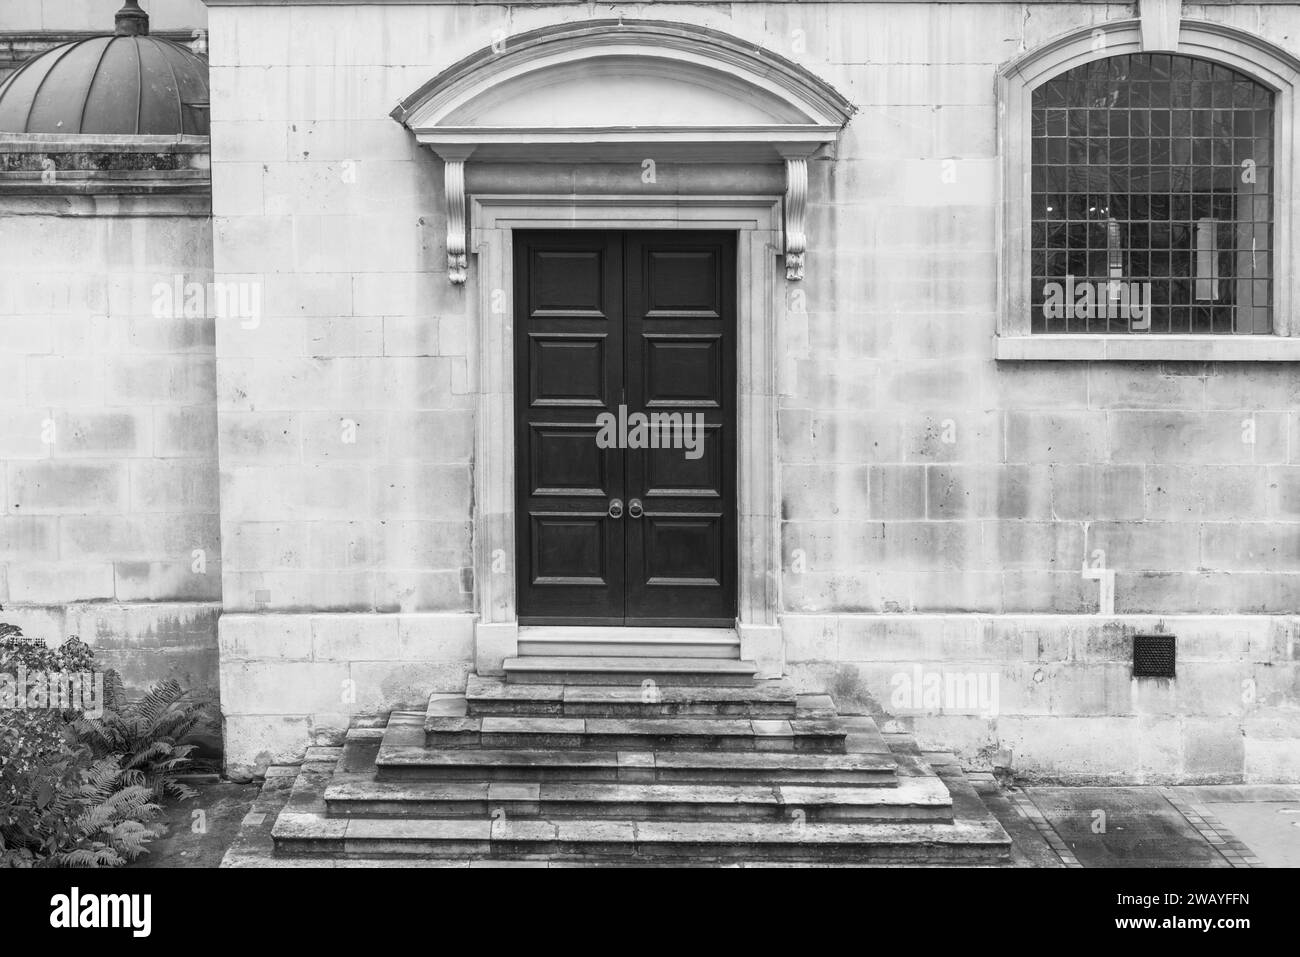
(1148, 348)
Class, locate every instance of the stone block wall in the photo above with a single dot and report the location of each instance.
(919, 475)
(292, 680)
(1053, 697)
(920, 478)
(109, 525)
(347, 413)
(68, 15)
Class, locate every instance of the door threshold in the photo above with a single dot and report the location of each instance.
(603, 641)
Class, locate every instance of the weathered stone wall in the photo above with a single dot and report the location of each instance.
(919, 476)
(292, 680)
(922, 476)
(346, 416)
(109, 523)
(1052, 696)
(97, 15)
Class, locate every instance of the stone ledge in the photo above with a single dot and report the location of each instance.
(1144, 348)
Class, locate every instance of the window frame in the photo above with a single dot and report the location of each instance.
(1016, 81)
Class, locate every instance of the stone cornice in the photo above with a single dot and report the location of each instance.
(19, 46)
(51, 164)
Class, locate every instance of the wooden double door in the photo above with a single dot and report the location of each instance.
(625, 427)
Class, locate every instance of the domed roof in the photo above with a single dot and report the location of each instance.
(125, 83)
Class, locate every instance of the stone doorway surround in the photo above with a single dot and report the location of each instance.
(645, 125)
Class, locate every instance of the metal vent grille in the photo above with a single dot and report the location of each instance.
(1153, 656)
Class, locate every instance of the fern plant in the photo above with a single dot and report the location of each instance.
(147, 734)
(61, 804)
(110, 828)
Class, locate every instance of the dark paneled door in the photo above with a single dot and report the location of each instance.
(609, 328)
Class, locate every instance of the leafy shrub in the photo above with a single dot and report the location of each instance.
(16, 650)
(77, 791)
(59, 804)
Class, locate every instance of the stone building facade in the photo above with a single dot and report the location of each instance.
(934, 482)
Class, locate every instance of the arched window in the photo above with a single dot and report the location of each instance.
(1147, 207)
(1152, 198)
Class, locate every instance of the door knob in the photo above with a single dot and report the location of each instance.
(634, 508)
(616, 508)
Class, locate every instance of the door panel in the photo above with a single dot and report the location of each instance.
(567, 462)
(646, 320)
(683, 370)
(682, 550)
(680, 342)
(668, 472)
(681, 282)
(571, 549)
(568, 369)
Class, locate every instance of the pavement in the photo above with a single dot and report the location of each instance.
(197, 832)
(1240, 825)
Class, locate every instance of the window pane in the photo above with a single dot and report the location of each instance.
(1152, 199)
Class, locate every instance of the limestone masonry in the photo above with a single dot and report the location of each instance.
(260, 386)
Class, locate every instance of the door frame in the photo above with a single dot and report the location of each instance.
(760, 306)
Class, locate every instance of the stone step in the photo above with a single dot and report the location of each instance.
(636, 734)
(914, 799)
(615, 670)
(565, 641)
(315, 834)
(766, 699)
(411, 762)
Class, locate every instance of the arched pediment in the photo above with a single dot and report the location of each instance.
(607, 90)
(618, 82)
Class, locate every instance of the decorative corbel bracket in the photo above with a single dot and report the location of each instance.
(453, 177)
(796, 216)
(1161, 23)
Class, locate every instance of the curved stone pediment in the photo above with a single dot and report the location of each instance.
(599, 90)
(619, 82)
(609, 91)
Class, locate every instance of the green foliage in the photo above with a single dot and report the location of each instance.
(77, 791)
(147, 734)
(16, 651)
(109, 827)
(59, 805)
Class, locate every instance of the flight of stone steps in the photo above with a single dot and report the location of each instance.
(631, 761)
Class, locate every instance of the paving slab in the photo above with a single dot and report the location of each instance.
(1268, 829)
(1123, 827)
(1028, 846)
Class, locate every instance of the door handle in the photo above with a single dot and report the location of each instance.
(616, 508)
(634, 508)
